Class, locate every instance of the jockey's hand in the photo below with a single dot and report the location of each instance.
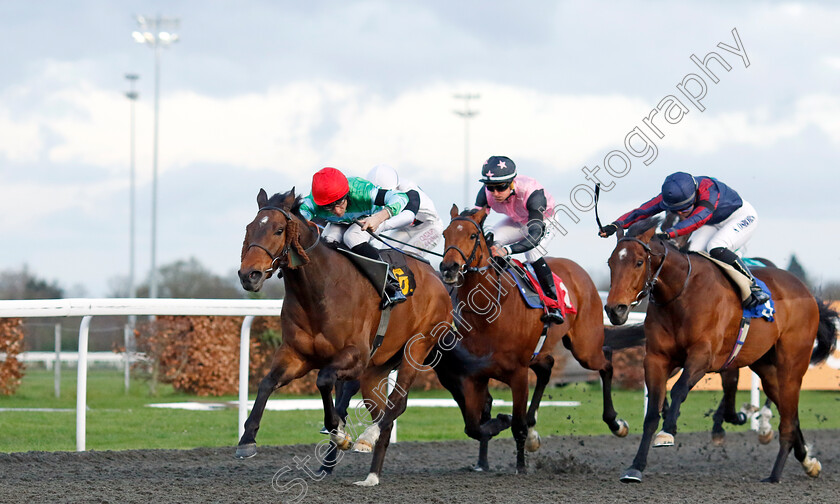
(608, 230)
(498, 251)
(663, 236)
(373, 222)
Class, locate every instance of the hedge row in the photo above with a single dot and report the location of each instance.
(11, 344)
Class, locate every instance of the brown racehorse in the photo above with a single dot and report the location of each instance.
(329, 320)
(693, 322)
(499, 335)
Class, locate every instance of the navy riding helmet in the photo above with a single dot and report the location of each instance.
(679, 191)
(498, 169)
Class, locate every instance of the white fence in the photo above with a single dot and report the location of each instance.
(88, 308)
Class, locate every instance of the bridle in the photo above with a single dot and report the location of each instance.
(652, 279)
(279, 261)
(466, 268)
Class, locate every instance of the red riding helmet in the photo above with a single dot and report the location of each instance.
(328, 186)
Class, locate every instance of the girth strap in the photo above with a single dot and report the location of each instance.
(739, 342)
(541, 341)
(380, 330)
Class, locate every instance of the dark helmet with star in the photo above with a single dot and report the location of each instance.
(498, 169)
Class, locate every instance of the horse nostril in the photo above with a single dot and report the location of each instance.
(255, 276)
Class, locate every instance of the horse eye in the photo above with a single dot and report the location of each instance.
(639, 263)
(473, 236)
(279, 232)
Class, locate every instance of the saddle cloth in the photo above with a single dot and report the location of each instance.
(379, 270)
(532, 293)
(742, 284)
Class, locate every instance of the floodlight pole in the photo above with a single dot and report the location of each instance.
(154, 33)
(467, 114)
(132, 96)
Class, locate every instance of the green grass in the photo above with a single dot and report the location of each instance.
(117, 421)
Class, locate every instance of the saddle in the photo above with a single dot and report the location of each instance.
(742, 285)
(532, 293)
(396, 262)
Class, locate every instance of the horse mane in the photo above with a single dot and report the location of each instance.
(643, 226)
(279, 201)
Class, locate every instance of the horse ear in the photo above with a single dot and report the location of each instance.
(619, 234)
(647, 235)
(453, 212)
(479, 216)
(290, 199)
(262, 198)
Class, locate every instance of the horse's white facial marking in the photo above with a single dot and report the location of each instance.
(622, 254)
(263, 220)
(460, 227)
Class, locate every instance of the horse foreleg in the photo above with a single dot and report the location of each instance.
(542, 368)
(484, 443)
(726, 410)
(618, 426)
(693, 371)
(519, 424)
(347, 365)
(285, 367)
(344, 392)
(656, 376)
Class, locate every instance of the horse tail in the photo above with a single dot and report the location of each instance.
(826, 333)
(626, 336)
(457, 360)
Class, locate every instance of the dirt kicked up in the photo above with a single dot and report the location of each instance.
(566, 469)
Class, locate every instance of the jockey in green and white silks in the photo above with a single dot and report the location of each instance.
(340, 201)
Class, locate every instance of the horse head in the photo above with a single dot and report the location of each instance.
(272, 240)
(630, 271)
(465, 246)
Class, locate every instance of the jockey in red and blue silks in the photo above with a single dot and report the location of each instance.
(721, 222)
(526, 204)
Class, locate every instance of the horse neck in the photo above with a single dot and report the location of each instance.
(672, 278)
(308, 282)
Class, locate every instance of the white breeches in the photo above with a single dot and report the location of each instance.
(733, 233)
(508, 231)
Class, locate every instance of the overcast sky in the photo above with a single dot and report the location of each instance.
(261, 94)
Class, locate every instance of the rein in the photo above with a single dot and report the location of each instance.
(278, 261)
(652, 280)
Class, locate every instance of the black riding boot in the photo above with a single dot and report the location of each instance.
(393, 293)
(547, 283)
(757, 295)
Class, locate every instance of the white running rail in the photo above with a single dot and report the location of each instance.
(88, 308)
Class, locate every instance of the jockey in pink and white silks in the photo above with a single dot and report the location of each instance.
(719, 220)
(525, 204)
(418, 224)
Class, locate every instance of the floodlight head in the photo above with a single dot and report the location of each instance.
(164, 37)
(138, 37)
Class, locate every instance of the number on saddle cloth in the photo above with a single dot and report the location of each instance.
(379, 270)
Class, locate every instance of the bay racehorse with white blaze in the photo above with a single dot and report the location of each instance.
(503, 347)
(693, 322)
(329, 320)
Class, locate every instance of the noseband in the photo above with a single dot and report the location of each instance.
(652, 280)
(467, 260)
(279, 261)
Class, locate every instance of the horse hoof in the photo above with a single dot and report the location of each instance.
(623, 428)
(532, 442)
(371, 480)
(663, 439)
(631, 476)
(718, 439)
(812, 467)
(765, 438)
(324, 431)
(362, 446)
(246, 450)
(480, 468)
(770, 479)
